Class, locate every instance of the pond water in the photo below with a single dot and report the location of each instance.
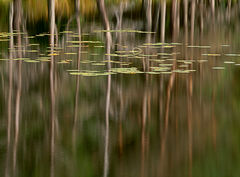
(149, 99)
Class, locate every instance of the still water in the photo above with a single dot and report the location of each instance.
(150, 96)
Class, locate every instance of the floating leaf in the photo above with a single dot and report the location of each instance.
(229, 62)
(151, 72)
(73, 70)
(66, 32)
(122, 31)
(225, 45)
(53, 54)
(212, 54)
(70, 53)
(31, 51)
(160, 68)
(18, 59)
(166, 64)
(169, 46)
(202, 61)
(31, 61)
(150, 55)
(90, 74)
(203, 47)
(132, 70)
(33, 44)
(98, 64)
(124, 64)
(218, 68)
(29, 37)
(154, 44)
(179, 71)
(232, 55)
(165, 54)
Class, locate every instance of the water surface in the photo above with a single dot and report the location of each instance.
(157, 99)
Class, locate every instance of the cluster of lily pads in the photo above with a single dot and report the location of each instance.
(159, 58)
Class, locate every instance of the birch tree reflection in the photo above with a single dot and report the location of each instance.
(10, 93)
(106, 24)
(17, 6)
(52, 85)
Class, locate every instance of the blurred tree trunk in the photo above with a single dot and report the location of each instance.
(175, 17)
(102, 10)
(52, 20)
(77, 6)
(17, 7)
(156, 21)
(185, 14)
(147, 7)
(52, 84)
(10, 93)
(106, 24)
(201, 15)
(213, 6)
(163, 20)
(229, 9)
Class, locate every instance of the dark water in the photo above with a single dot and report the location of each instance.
(76, 102)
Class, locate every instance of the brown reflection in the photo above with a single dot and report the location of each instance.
(11, 43)
(164, 137)
(163, 29)
(146, 115)
(175, 16)
(186, 24)
(156, 21)
(192, 20)
(213, 6)
(119, 36)
(163, 20)
(120, 41)
(143, 128)
(106, 24)
(119, 17)
(102, 10)
(17, 4)
(229, 10)
(189, 95)
(147, 6)
(10, 93)
(190, 92)
(106, 149)
(77, 4)
(106, 146)
(201, 15)
(166, 126)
